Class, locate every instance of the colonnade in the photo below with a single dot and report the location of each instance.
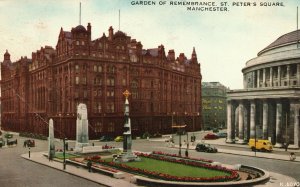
(273, 119)
(276, 76)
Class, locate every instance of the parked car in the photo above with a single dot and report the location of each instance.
(119, 139)
(210, 136)
(215, 130)
(8, 136)
(222, 134)
(2, 142)
(202, 147)
(105, 138)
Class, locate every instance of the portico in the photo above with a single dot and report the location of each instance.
(264, 114)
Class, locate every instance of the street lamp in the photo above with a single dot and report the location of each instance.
(64, 154)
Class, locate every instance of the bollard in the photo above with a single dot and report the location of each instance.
(29, 152)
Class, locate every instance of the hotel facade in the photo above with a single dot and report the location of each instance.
(164, 88)
(268, 107)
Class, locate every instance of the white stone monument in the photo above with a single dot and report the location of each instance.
(82, 132)
(51, 146)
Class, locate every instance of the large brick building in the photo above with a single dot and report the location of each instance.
(96, 72)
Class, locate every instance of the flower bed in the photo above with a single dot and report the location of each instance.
(175, 155)
(233, 175)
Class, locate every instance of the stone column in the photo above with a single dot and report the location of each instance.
(264, 77)
(258, 75)
(241, 123)
(271, 77)
(265, 119)
(298, 74)
(278, 124)
(229, 122)
(279, 76)
(288, 67)
(252, 119)
(296, 128)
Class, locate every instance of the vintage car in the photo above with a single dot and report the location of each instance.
(211, 136)
(202, 147)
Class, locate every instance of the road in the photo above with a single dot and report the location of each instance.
(16, 171)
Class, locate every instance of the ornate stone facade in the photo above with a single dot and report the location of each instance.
(96, 72)
(268, 107)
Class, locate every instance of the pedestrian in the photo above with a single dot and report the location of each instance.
(67, 146)
(89, 165)
(186, 153)
(93, 144)
(292, 156)
(25, 143)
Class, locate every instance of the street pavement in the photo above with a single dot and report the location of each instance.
(228, 150)
(277, 179)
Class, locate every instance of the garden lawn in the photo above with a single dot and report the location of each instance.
(175, 169)
(60, 155)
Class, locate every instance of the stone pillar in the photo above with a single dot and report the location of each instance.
(258, 75)
(278, 124)
(298, 74)
(265, 119)
(252, 119)
(279, 76)
(271, 77)
(288, 67)
(264, 77)
(229, 122)
(241, 123)
(296, 129)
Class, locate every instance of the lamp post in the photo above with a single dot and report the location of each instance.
(64, 154)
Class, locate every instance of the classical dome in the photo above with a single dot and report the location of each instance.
(80, 28)
(286, 39)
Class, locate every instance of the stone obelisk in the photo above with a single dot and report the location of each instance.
(51, 146)
(82, 132)
(127, 154)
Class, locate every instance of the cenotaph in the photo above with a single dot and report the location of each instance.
(82, 132)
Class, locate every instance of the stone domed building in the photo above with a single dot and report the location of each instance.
(268, 107)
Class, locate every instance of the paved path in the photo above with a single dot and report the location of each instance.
(276, 179)
(38, 157)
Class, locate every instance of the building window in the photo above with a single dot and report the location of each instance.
(110, 81)
(110, 107)
(99, 69)
(76, 80)
(84, 80)
(85, 94)
(76, 67)
(98, 127)
(110, 93)
(111, 127)
(124, 82)
(97, 108)
(95, 68)
(77, 42)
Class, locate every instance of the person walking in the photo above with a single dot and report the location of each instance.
(89, 165)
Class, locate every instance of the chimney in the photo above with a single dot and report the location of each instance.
(110, 33)
(171, 54)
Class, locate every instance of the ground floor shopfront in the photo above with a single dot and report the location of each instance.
(264, 114)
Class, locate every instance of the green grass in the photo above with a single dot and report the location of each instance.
(60, 155)
(175, 169)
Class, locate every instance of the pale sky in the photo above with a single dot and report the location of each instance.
(224, 41)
